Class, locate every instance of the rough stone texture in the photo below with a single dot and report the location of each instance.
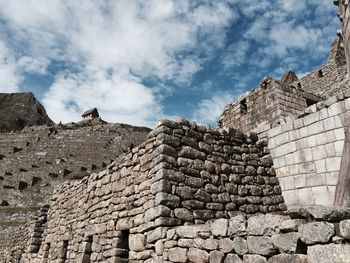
(286, 243)
(136, 197)
(38, 158)
(328, 79)
(197, 255)
(264, 224)
(344, 229)
(187, 194)
(328, 253)
(316, 232)
(305, 133)
(283, 258)
(18, 110)
(45, 156)
(216, 257)
(240, 246)
(270, 102)
(237, 226)
(260, 245)
(220, 227)
(137, 242)
(232, 258)
(177, 254)
(254, 259)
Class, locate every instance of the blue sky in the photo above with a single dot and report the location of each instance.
(140, 61)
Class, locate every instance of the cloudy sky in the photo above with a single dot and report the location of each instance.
(138, 61)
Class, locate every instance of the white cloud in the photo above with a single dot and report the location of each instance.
(117, 97)
(235, 54)
(209, 110)
(280, 33)
(110, 47)
(9, 77)
(32, 65)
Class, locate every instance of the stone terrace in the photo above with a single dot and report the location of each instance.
(34, 160)
(182, 174)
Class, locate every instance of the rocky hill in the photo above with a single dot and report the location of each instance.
(37, 155)
(18, 110)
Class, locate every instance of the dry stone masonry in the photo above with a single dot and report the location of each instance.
(189, 193)
(305, 133)
(36, 159)
(328, 79)
(307, 151)
(182, 174)
(270, 102)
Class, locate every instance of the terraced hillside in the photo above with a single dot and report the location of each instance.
(36, 159)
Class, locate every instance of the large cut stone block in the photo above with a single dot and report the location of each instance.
(264, 224)
(285, 258)
(261, 245)
(316, 232)
(178, 254)
(339, 253)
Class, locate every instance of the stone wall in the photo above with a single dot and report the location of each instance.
(273, 100)
(15, 228)
(314, 235)
(307, 151)
(328, 79)
(182, 174)
(270, 102)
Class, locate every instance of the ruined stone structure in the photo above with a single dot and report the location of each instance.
(305, 133)
(187, 194)
(344, 17)
(193, 193)
(270, 102)
(90, 114)
(183, 173)
(273, 99)
(328, 79)
(36, 159)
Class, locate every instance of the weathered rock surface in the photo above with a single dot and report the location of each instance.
(316, 232)
(18, 110)
(264, 224)
(344, 228)
(254, 259)
(286, 243)
(285, 258)
(328, 253)
(260, 245)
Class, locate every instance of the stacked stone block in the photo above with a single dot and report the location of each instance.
(313, 235)
(15, 230)
(307, 151)
(328, 79)
(182, 174)
(270, 102)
